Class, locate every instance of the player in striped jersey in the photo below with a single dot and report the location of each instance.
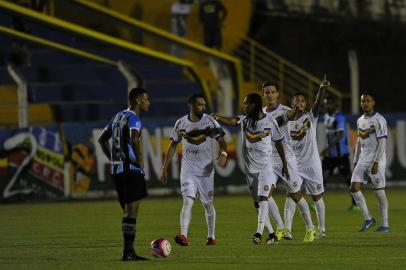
(370, 162)
(126, 164)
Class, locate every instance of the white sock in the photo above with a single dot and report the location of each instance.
(186, 215)
(289, 212)
(210, 219)
(305, 212)
(321, 215)
(360, 200)
(268, 225)
(274, 211)
(262, 216)
(383, 206)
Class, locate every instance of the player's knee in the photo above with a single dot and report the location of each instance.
(296, 196)
(316, 197)
(355, 187)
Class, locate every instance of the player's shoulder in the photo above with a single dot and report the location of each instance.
(182, 120)
(379, 117)
(284, 108)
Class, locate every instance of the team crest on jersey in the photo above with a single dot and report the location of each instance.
(210, 193)
(266, 187)
(294, 184)
(318, 186)
(300, 133)
(256, 136)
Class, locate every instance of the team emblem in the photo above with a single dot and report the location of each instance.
(266, 187)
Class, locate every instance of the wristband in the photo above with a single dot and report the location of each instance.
(224, 153)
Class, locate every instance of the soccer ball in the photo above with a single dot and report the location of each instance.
(160, 248)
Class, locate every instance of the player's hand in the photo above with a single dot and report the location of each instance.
(374, 169)
(222, 159)
(285, 172)
(214, 115)
(325, 83)
(164, 176)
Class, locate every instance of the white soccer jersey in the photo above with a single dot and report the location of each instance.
(370, 130)
(196, 137)
(257, 143)
(281, 118)
(303, 139)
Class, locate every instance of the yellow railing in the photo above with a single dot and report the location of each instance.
(197, 47)
(108, 39)
(262, 64)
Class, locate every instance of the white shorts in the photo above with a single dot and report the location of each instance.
(260, 184)
(362, 173)
(294, 183)
(312, 177)
(201, 187)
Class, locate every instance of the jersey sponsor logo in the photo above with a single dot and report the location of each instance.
(301, 132)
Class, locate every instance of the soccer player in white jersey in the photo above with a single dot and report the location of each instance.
(259, 130)
(302, 131)
(294, 196)
(370, 162)
(196, 131)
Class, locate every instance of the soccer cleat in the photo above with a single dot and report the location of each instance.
(320, 234)
(312, 206)
(288, 235)
(383, 229)
(131, 256)
(256, 239)
(272, 239)
(280, 233)
(181, 240)
(354, 208)
(309, 236)
(367, 224)
(211, 242)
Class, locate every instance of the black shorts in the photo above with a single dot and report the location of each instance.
(342, 163)
(130, 187)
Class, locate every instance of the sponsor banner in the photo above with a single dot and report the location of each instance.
(31, 164)
(53, 161)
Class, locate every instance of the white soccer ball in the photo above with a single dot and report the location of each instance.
(160, 248)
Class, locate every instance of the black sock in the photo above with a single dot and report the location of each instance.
(128, 229)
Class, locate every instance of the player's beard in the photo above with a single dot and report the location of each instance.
(198, 114)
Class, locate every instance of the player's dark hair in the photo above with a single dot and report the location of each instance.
(253, 116)
(368, 94)
(193, 98)
(269, 83)
(331, 99)
(135, 93)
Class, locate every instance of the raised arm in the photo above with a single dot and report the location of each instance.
(168, 157)
(229, 121)
(316, 106)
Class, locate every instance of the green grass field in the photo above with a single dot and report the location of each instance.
(87, 235)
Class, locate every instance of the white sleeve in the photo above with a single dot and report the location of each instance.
(175, 136)
(381, 128)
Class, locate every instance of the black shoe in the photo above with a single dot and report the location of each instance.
(256, 239)
(131, 256)
(272, 239)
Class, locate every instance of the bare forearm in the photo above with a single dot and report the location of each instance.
(357, 151)
(317, 102)
(336, 139)
(229, 121)
(222, 144)
(105, 148)
(380, 150)
(169, 155)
